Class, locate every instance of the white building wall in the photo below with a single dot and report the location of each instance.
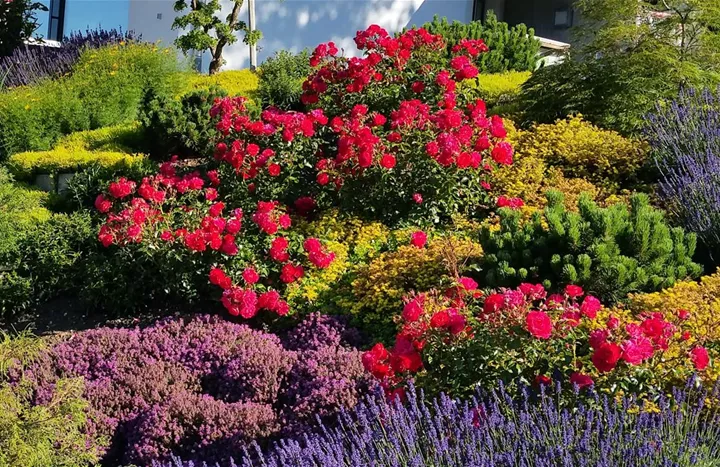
(298, 24)
(153, 19)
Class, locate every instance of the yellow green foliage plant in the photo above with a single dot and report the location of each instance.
(582, 150)
(354, 242)
(233, 82)
(111, 147)
(41, 435)
(378, 287)
(498, 88)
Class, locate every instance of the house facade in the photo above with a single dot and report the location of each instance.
(297, 24)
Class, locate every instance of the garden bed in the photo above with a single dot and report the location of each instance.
(373, 267)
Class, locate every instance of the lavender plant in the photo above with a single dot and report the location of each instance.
(499, 431)
(685, 137)
(29, 64)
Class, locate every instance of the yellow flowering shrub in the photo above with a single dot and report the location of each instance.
(378, 287)
(110, 147)
(583, 150)
(497, 88)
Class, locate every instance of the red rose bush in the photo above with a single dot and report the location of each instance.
(462, 338)
(389, 135)
(247, 257)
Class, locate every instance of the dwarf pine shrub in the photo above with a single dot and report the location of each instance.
(609, 251)
(511, 48)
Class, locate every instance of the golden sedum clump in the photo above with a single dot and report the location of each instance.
(529, 178)
(672, 366)
(583, 150)
(379, 286)
(319, 282)
(363, 239)
(701, 300)
(353, 241)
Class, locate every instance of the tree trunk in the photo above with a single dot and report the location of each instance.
(215, 65)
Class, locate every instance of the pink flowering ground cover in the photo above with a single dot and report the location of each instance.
(202, 387)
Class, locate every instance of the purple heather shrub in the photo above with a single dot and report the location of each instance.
(198, 425)
(318, 330)
(685, 137)
(255, 374)
(29, 64)
(498, 430)
(200, 385)
(322, 382)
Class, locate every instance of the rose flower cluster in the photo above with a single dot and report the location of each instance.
(168, 210)
(369, 153)
(558, 334)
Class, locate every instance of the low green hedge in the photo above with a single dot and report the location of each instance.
(118, 138)
(26, 165)
(111, 147)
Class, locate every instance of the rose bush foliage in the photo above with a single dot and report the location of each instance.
(460, 338)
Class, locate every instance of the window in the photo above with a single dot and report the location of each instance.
(57, 20)
(563, 18)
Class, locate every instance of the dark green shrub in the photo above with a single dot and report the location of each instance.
(620, 68)
(180, 127)
(51, 433)
(511, 48)
(46, 261)
(281, 78)
(612, 94)
(608, 251)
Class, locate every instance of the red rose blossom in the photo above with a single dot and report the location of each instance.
(582, 381)
(700, 358)
(573, 291)
(606, 356)
(418, 239)
(539, 324)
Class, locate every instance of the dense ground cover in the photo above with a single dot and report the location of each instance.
(348, 248)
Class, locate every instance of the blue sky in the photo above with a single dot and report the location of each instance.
(81, 14)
